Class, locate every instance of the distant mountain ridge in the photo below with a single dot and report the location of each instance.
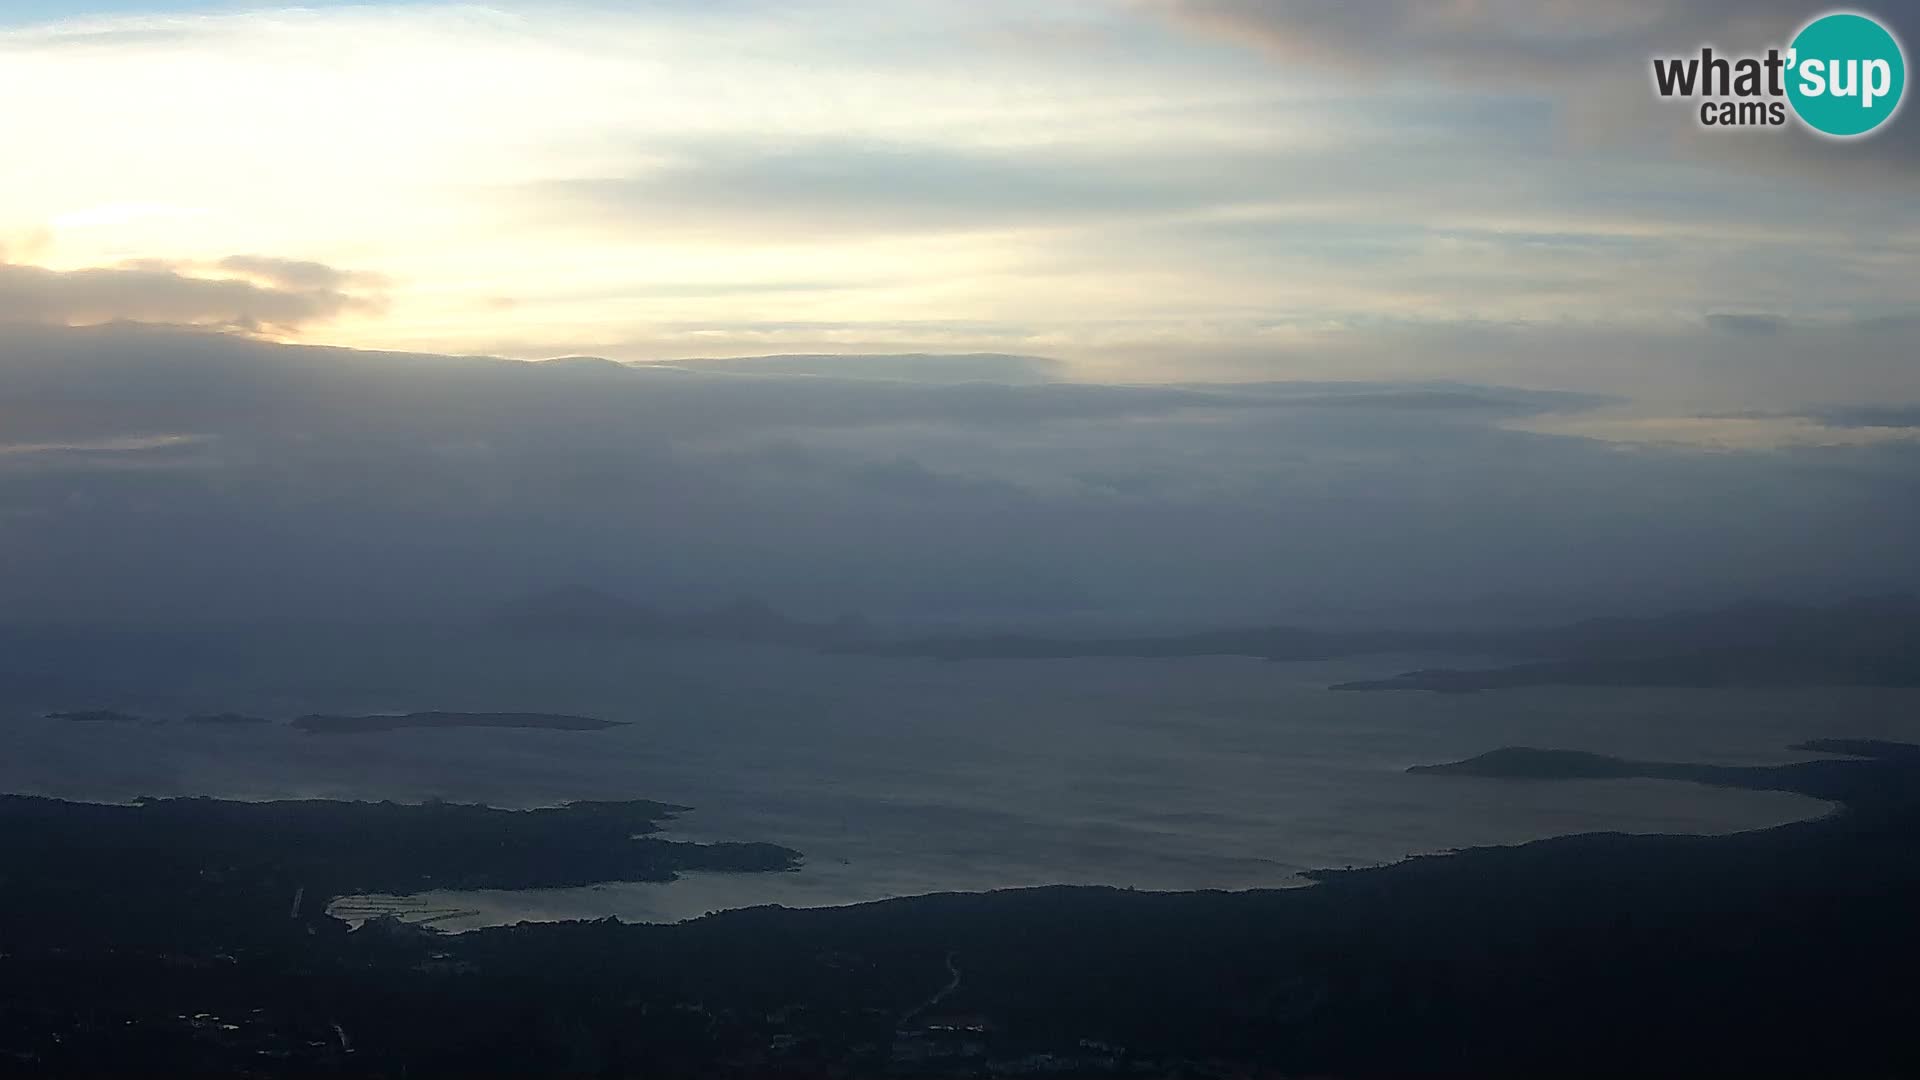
(1871, 641)
(1006, 368)
(580, 611)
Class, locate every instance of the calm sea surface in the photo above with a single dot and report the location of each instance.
(898, 777)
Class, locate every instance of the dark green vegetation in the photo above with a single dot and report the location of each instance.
(359, 725)
(182, 871)
(1872, 642)
(173, 944)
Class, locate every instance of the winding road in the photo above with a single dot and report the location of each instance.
(940, 995)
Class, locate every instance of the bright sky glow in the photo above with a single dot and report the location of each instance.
(1149, 188)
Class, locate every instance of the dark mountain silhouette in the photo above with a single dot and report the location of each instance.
(1872, 641)
(1868, 642)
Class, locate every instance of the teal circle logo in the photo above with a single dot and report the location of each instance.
(1846, 74)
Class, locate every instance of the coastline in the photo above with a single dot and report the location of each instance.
(1490, 960)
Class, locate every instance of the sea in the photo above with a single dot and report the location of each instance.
(897, 777)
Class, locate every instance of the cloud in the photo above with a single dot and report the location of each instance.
(275, 295)
(698, 180)
(159, 471)
(836, 185)
(913, 367)
(1871, 416)
(298, 275)
(1497, 41)
(1588, 57)
(1751, 431)
(125, 453)
(1752, 325)
(92, 383)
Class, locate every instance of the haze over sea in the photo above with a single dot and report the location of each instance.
(898, 777)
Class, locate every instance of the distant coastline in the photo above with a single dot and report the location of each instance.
(1871, 641)
(323, 724)
(330, 724)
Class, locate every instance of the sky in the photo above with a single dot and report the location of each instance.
(1157, 308)
(1151, 189)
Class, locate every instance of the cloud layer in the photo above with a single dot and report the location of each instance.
(252, 294)
(173, 475)
(1141, 309)
(1151, 190)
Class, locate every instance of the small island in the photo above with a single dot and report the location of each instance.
(99, 716)
(224, 718)
(1881, 778)
(321, 724)
(1784, 666)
